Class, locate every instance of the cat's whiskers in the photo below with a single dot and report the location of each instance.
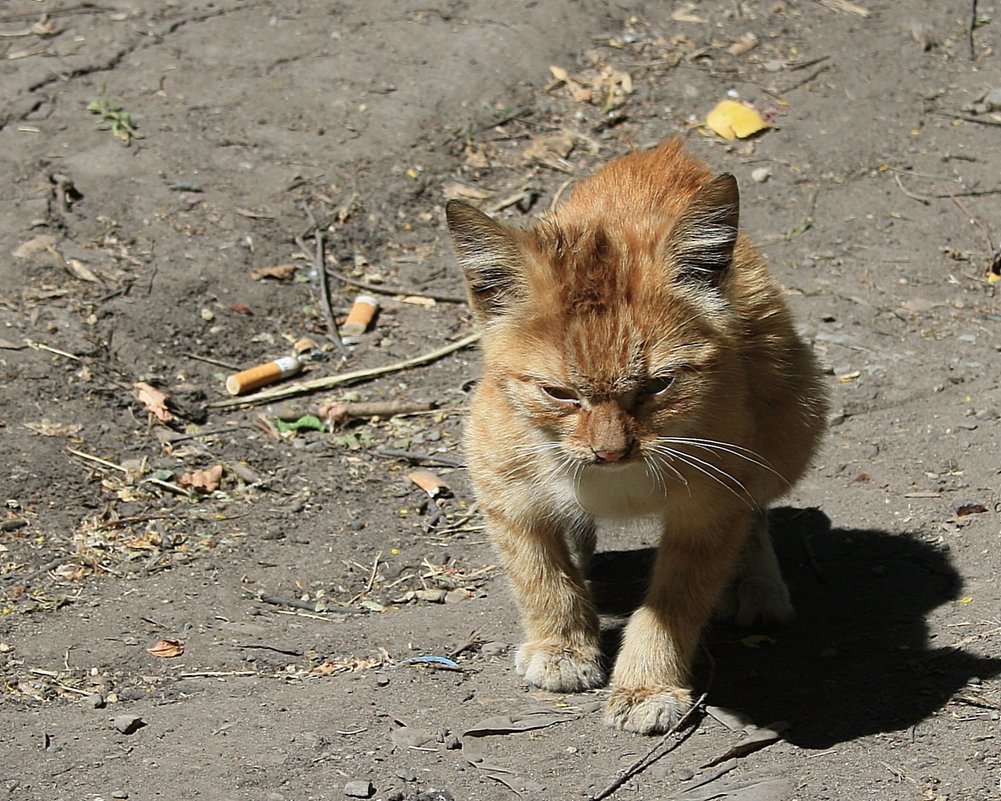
(709, 470)
(726, 447)
(658, 464)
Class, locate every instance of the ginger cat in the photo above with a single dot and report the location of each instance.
(639, 362)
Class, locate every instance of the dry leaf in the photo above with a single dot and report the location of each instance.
(154, 400)
(687, 14)
(454, 191)
(545, 148)
(49, 429)
(746, 42)
(166, 649)
(280, 272)
(428, 482)
(80, 270)
(38, 244)
(203, 480)
(733, 120)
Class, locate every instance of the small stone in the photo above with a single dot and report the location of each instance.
(494, 648)
(993, 100)
(382, 681)
(774, 65)
(127, 724)
(94, 701)
(406, 775)
(434, 794)
(121, 794)
(452, 742)
(761, 174)
(684, 774)
(359, 789)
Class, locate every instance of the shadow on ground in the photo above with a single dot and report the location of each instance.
(857, 660)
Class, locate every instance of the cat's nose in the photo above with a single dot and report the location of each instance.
(611, 456)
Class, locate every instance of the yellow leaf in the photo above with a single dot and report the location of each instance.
(966, 600)
(733, 120)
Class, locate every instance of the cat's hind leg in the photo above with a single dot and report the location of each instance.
(757, 594)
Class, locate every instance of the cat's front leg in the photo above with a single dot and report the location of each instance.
(562, 651)
(651, 681)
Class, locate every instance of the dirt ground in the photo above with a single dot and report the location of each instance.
(311, 624)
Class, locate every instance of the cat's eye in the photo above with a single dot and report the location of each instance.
(560, 394)
(657, 385)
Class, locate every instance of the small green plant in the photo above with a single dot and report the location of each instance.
(114, 118)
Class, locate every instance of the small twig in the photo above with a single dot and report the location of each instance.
(909, 194)
(167, 485)
(216, 362)
(650, 756)
(355, 376)
(40, 346)
(968, 118)
(320, 265)
(309, 606)
(973, 26)
(420, 458)
(375, 571)
(276, 649)
(819, 71)
(387, 289)
(208, 432)
(976, 221)
(214, 674)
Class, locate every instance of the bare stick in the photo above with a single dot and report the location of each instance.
(309, 606)
(320, 265)
(420, 458)
(167, 485)
(973, 26)
(911, 195)
(355, 376)
(650, 756)
(976, 221)
(234, 367)
(387, 289)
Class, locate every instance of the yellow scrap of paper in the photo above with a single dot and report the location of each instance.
(733, 120)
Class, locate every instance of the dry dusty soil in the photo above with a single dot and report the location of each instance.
(207, 607)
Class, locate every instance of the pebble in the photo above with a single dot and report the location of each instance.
(382, 681)
(359, 789)
(121, 794)
(406, 775)
(761, 174)
(94, 701)
(494, 648)
(434, 794)
(684, 774)
(993, 100)
(127, 724)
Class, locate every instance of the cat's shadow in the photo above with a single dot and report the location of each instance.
(857, 660)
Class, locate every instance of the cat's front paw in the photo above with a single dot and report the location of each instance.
(762, 601)
(647, 710)
(559, 667)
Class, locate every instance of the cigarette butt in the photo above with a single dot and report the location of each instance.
(360, 316)
(262, 374)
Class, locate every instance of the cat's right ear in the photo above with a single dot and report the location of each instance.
(489, 257)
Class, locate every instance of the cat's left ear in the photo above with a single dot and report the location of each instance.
(489, 256)
(702, 240)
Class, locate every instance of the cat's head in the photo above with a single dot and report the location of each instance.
(603, 332)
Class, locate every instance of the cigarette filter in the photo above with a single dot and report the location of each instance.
(360, 316)
(262, 375)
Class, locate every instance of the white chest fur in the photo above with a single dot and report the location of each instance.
(612, 490)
